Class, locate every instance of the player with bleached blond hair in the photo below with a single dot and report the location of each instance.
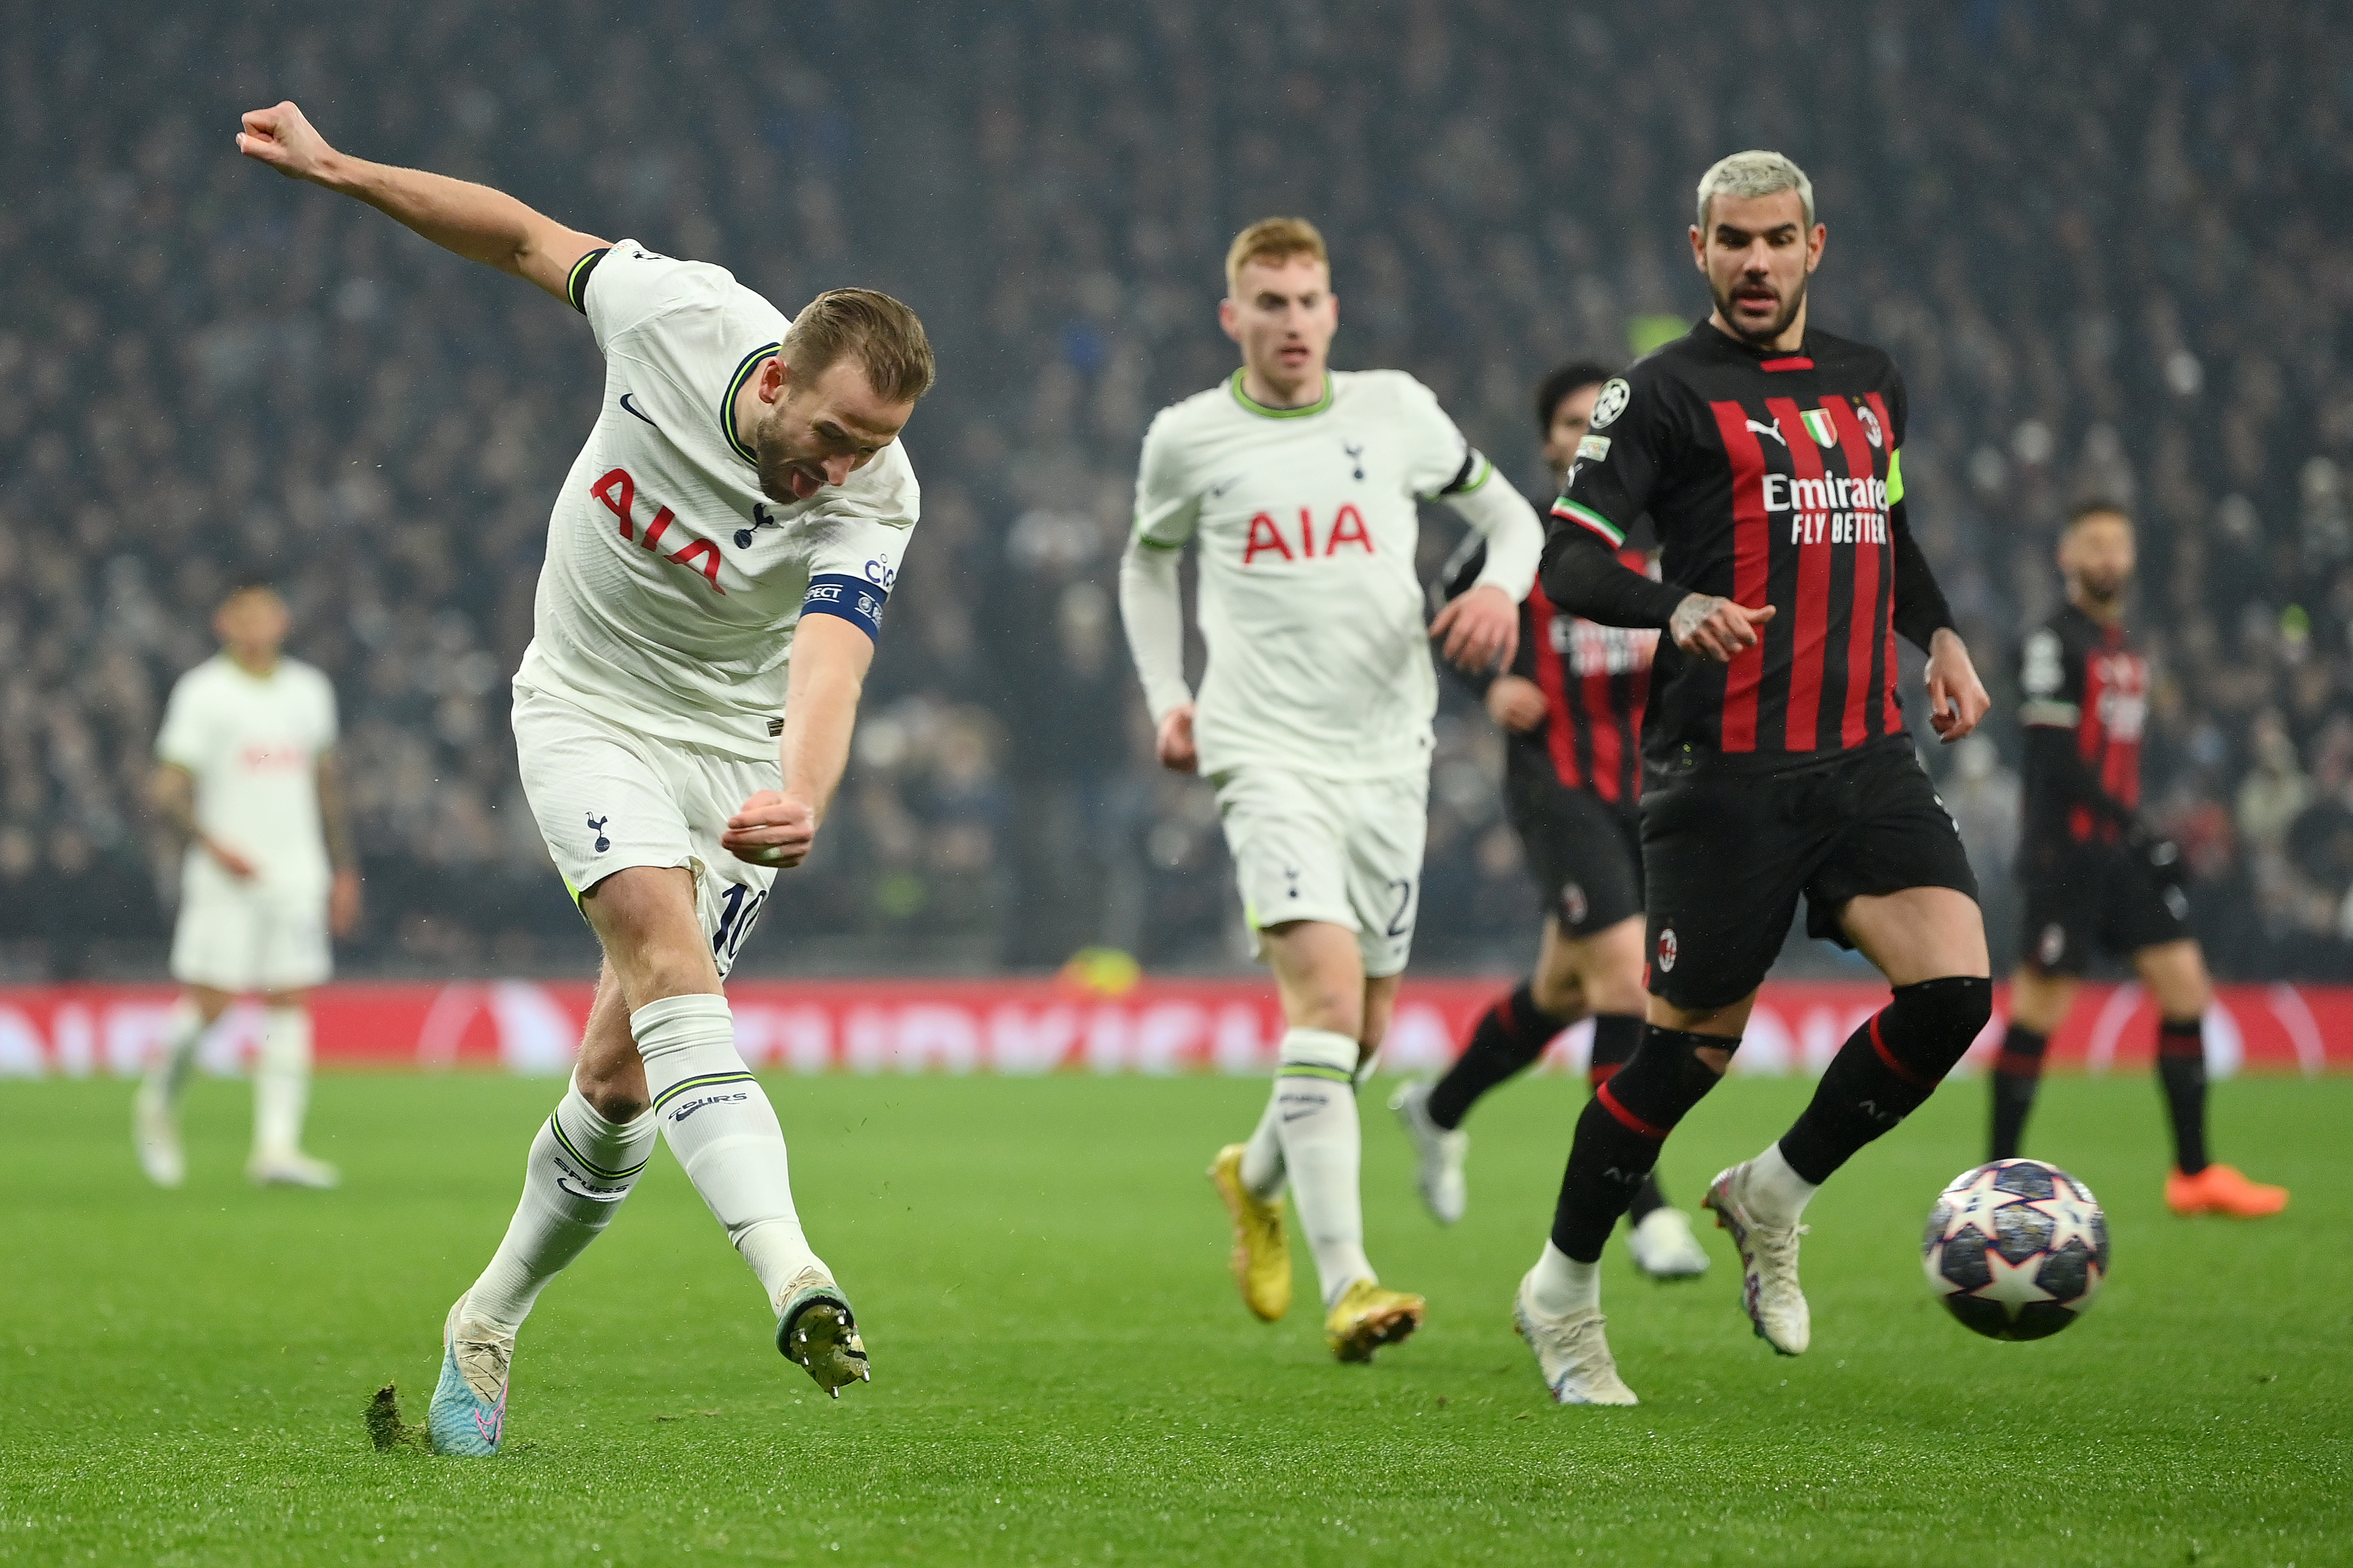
(717, 565)
(1298, 486)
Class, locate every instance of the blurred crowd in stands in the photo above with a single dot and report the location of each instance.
(2096, 235)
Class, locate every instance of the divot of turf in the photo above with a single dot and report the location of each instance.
(387, 1431)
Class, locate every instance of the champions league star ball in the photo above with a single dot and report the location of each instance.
(2016, 1250)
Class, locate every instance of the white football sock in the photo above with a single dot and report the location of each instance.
(723, 1131)
(581, 1167)
(281, 1082)
(1560, 1285)
(1773, 1192)
(175, 1056)
(1262, 1156)
(1323, 1149)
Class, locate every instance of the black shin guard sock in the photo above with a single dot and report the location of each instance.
(1615, 1037)
(2017, 1074)
(2181, 1069)
(1885, 1070)
(1507, 1038)
(1619, 1134)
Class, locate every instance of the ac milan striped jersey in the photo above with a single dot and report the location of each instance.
(1595, 679)
(2085, 678)
(1769, 476)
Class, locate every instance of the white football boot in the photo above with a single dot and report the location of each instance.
(816, 1331)
(291, 1168)
(1768, 1262)
(1439, 1153)
(156, 1134)
(1664, 1246)
(468, 1413)
(1572, 1352)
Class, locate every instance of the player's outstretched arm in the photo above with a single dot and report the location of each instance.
(477, 221)
(830, 657)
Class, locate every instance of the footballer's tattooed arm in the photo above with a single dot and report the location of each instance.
(475, 221)
(172, 793)
(334, 823)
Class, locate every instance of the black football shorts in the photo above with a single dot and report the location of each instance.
(2080, 896)
(1585, 853)
(1726, 856)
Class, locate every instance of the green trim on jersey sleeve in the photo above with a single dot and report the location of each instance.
(1486, 472)
(1895, 475)
(1252, 406)
(727, 402)
(1151, 543)
(576, 282)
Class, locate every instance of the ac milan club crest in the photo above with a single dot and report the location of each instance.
(1667, 951)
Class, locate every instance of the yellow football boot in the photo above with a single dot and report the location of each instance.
(1368, 1317)
(1262, 1255)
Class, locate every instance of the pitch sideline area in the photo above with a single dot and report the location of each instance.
(1063, 1373)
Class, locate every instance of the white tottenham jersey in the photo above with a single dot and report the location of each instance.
(1309, 602)
(673, 586)
(253, 745)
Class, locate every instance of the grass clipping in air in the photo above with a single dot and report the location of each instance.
(387, 1431)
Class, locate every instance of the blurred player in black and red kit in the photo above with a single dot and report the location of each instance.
(1571, 704)
(1778, 763)
(2097, 875)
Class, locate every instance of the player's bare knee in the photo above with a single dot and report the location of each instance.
(618, 1094)
(1562, 994)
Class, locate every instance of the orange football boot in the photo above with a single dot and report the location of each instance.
(2221, 1189)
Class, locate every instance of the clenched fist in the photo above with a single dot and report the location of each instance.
(771, 829)
(283, 139)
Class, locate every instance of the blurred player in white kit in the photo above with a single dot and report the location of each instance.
(717, 565)
(247, 775)
(1299, 485)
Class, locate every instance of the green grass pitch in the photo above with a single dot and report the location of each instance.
(1064, 1374)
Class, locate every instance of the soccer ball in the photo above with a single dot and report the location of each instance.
(2016, 1250)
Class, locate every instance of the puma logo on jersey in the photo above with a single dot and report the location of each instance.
(1773, 428)
(1267, 537)
(618, 492)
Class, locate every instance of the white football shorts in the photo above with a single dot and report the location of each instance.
(241, 939)
(608, 797)
(1344, 851)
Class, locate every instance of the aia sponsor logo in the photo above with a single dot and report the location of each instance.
(618, 492)
(268, 758)
(1347, 532)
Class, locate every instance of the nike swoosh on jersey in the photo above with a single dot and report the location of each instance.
(640, 412)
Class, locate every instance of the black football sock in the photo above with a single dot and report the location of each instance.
(2181, 1069)
(2017, 1074)
(1886, 1071)
(1507, 1038)
(1620, 1131)
(1615, 1037)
